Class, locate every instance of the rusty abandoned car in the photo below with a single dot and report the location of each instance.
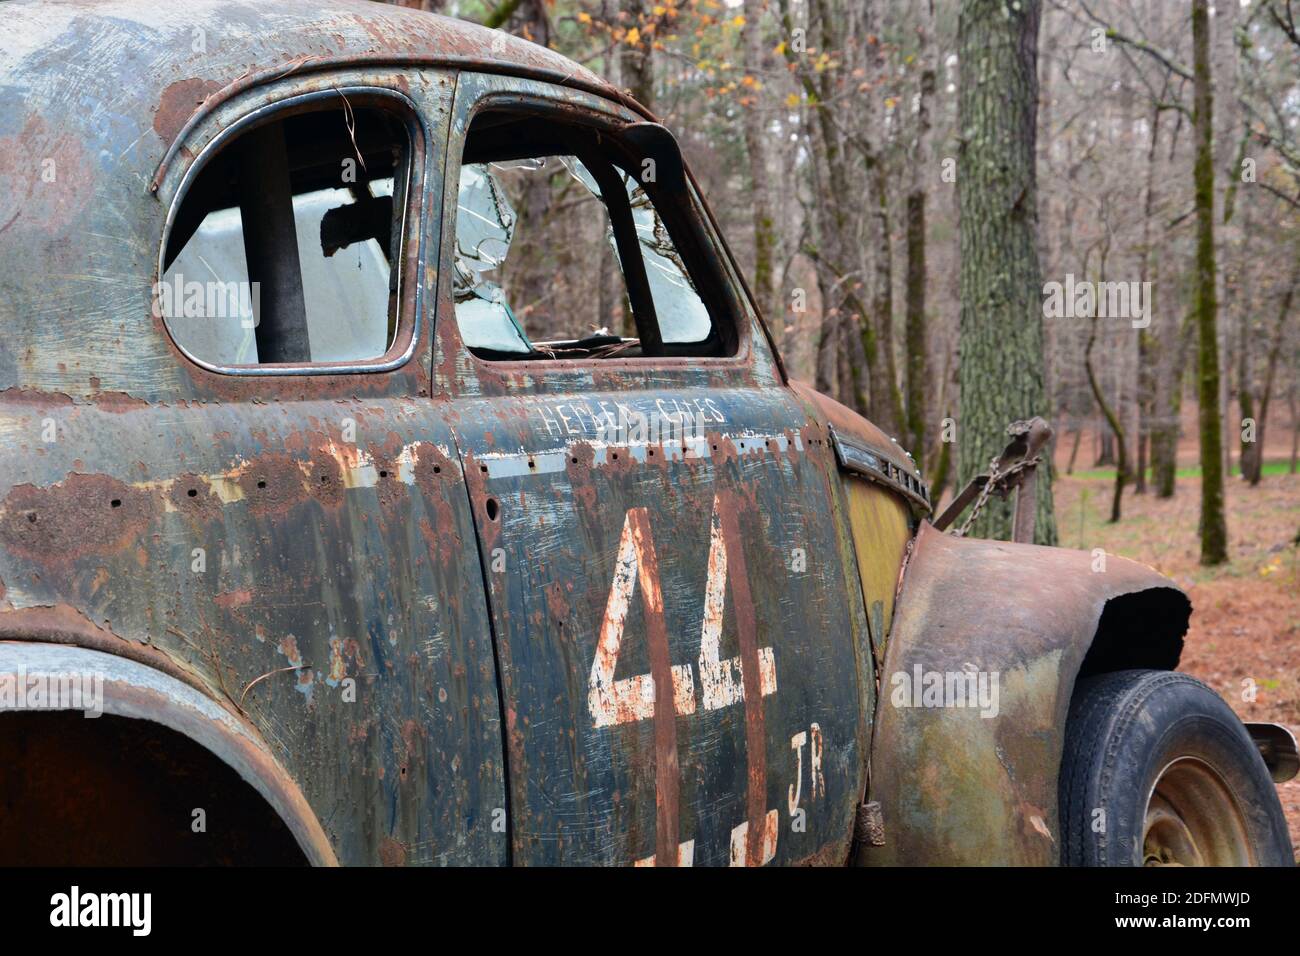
(359, 570)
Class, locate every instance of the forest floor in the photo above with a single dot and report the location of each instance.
(1246, 621)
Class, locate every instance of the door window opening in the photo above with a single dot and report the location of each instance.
(283, 247)
(561, 251)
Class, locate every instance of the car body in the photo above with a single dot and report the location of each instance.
(430, 607)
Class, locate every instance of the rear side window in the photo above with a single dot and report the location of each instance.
(286, 248)
(568, 246)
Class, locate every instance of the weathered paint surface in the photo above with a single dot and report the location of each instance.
(670, 624)
(962, 786)
(882, 532)
(326, 589)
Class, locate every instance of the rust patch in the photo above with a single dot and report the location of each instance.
(747, 630)
(412, 734)
(619, 462)
(233, 599)
(578, 468)
(433, 468)
(178, 103)
(667, 771)
(191, 496)
(289, 648)
(31, 396)
(118, 402)
(723, 448)
(338, 667)
(389, 487)
(46, 179)
(444, 540)
(82, 515)
(273, 484)
(392, 853)
(326, 482)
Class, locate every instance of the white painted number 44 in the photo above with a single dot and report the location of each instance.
(631, 699)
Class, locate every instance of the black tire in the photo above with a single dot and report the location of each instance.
(1128, 731)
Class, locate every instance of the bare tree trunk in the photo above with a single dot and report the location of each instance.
(826, 376)
(1146, 397)
(836, 255)
(1252, 461)
(1074, 450)
(1105, 448)
(1121, 464)
(1246, 404)
(1294, 407)
(886, 397)
(1170, 406)
(1140, 467)
(1213, 525)
(756, 150)
(843, 260)
(637, 59)
(918, 355)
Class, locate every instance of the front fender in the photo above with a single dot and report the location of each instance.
(963, 782)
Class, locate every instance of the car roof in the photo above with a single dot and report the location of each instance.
(148, 65)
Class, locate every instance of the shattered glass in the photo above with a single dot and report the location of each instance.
(485, 226)
(682, 315)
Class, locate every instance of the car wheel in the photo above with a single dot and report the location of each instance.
(1158, 771)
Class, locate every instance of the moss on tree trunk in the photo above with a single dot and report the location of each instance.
(1214, 527)
(1001, 346)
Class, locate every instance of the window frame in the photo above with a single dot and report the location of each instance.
(406, 336)
(544, 98)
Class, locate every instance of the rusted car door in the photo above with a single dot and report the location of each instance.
(676, 646)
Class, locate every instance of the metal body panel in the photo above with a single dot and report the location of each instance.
(328, 589)
(610, 561)
(581, 536)
(956, 784)
(878, 458)
(882, 531)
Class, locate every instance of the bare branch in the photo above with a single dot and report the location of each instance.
(1286, 24)
(1165, 57)
(1280, 195)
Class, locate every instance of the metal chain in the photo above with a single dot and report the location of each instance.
(995, 477)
